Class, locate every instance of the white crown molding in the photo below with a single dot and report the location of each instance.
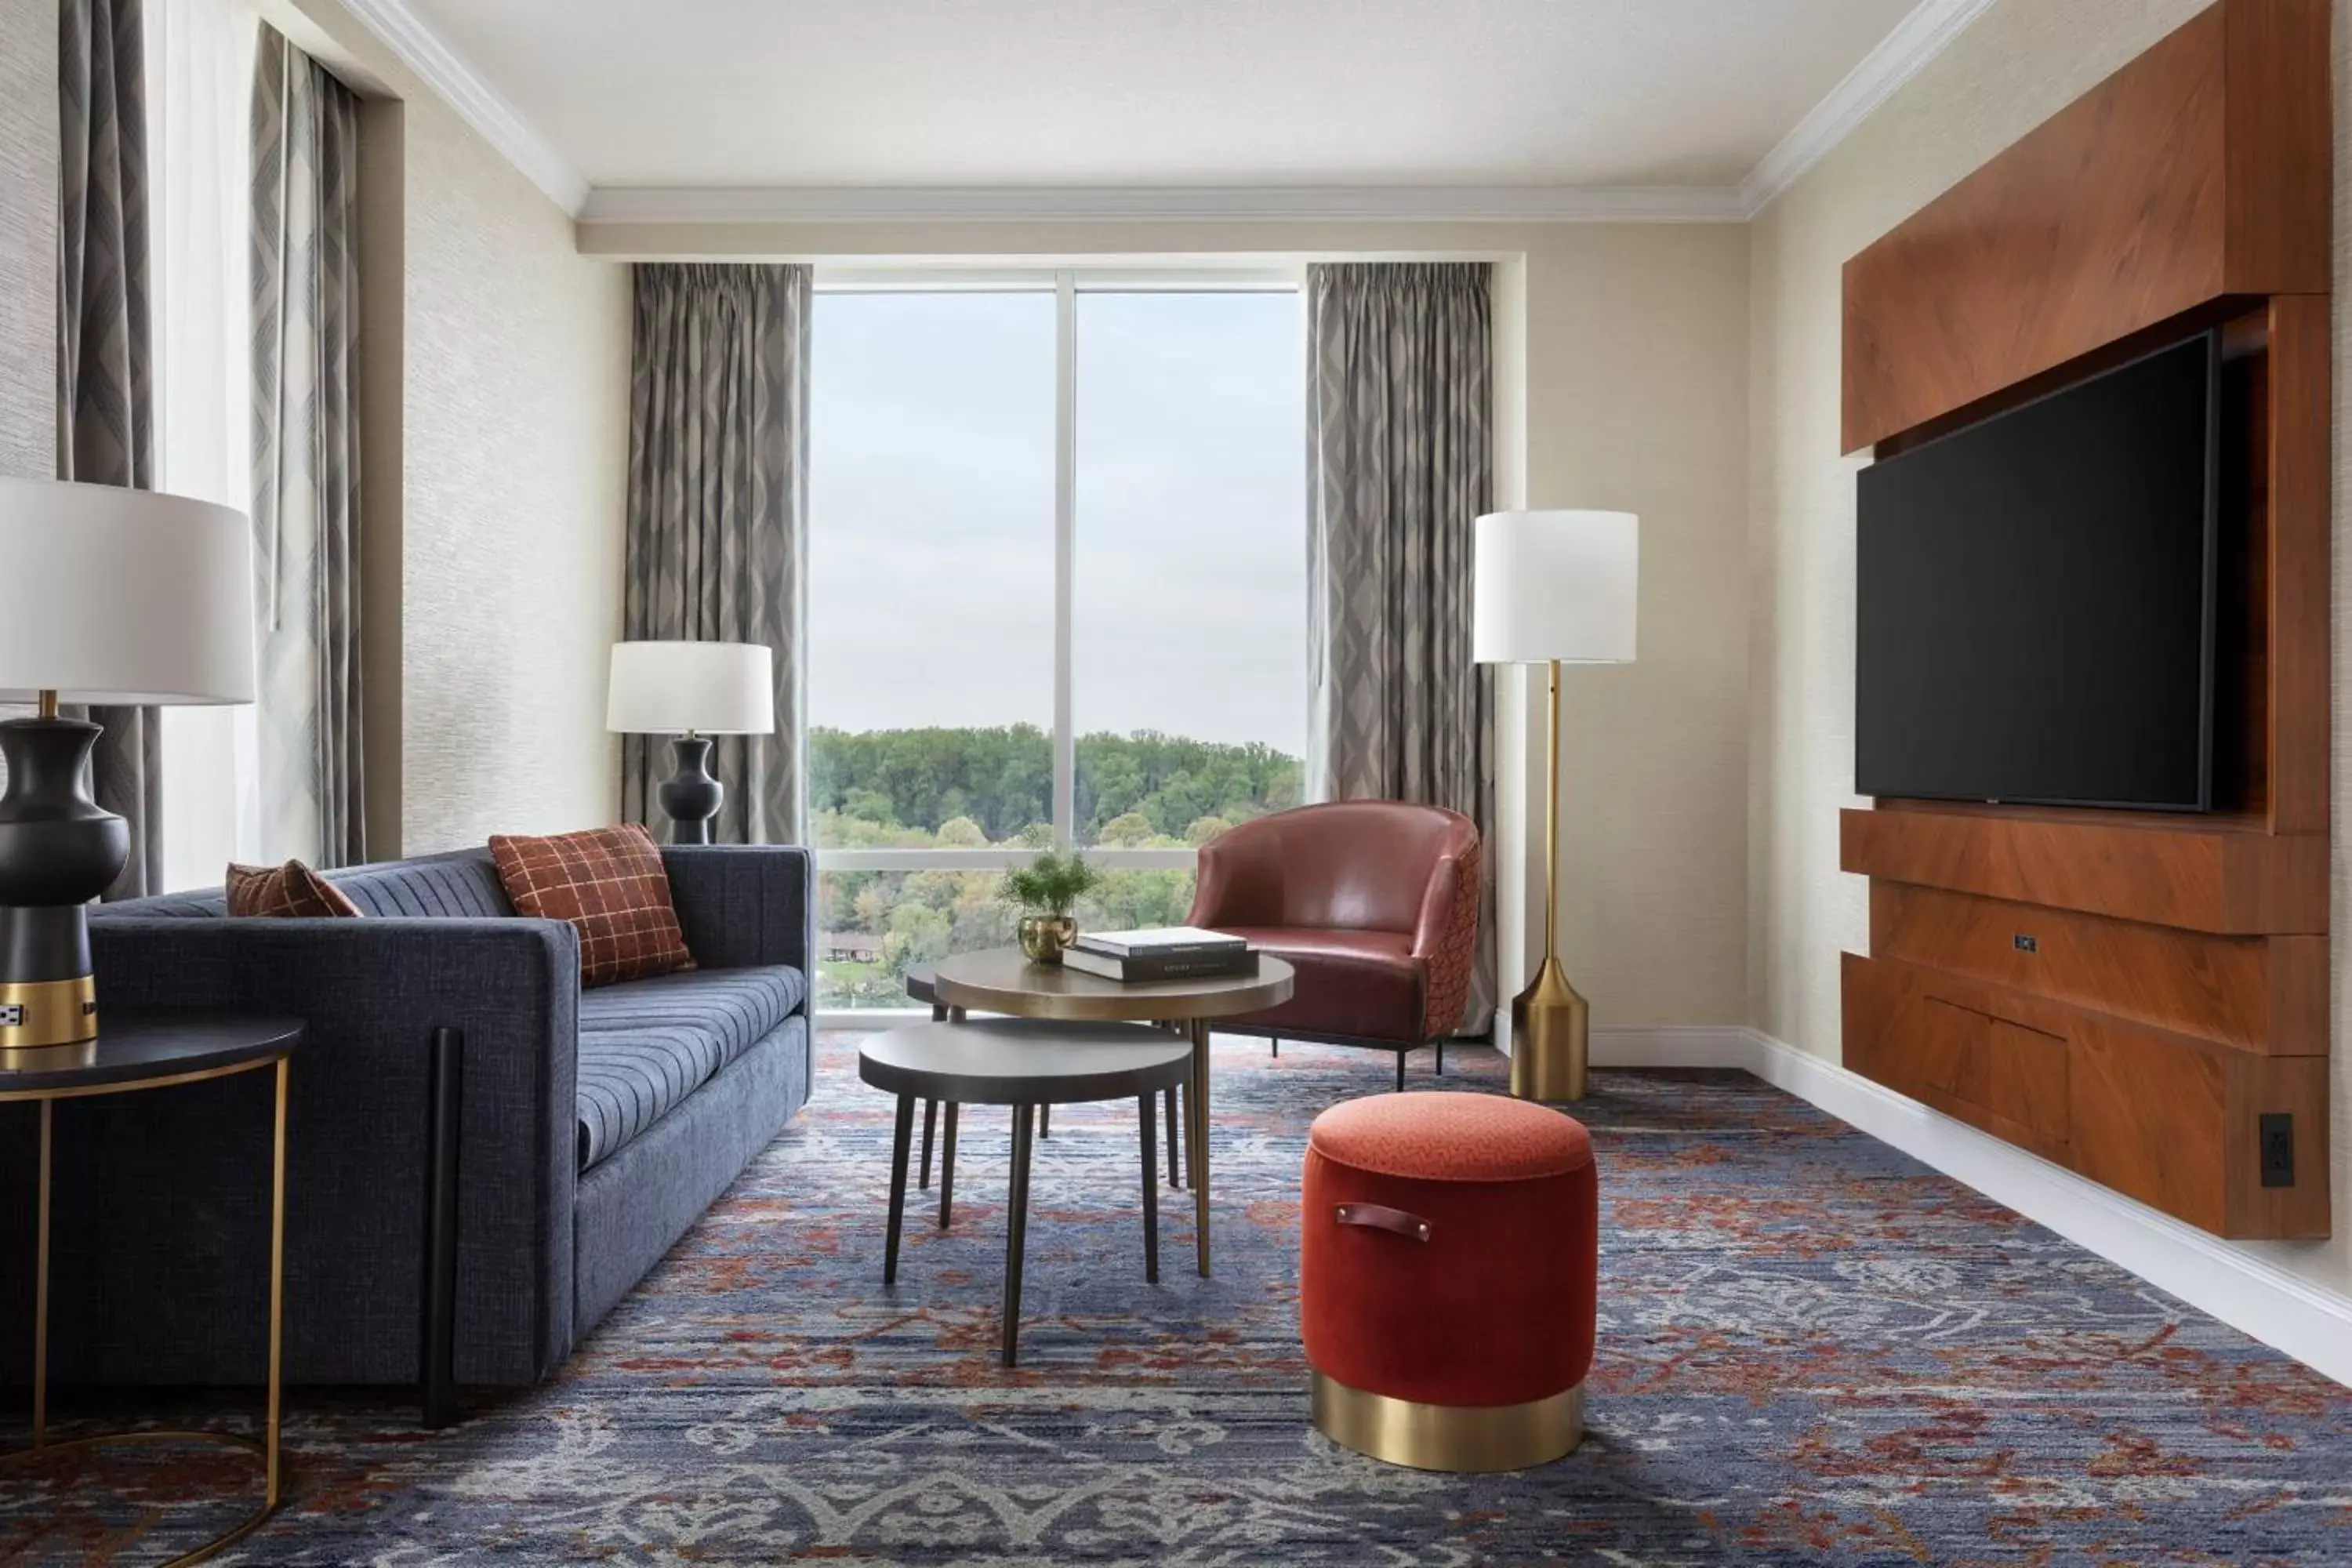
(479, 104)
(1916, 39)
(1173, 204)
(2245, 1290)
(1919, 38)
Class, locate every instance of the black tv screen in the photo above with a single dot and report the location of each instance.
(2035, 608)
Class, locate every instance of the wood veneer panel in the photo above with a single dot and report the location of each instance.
(2297, 486)
(2198, 874)
(2262, 993)
(2277, 145)
(2177, 1127)
(2171, 1121)
(2198, 171)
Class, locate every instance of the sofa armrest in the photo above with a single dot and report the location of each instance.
(744, 904)
(371, 992)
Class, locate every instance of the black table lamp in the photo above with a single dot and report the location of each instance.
(691, 691)
(115, 598)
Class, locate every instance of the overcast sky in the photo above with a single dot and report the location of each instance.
(931, 503)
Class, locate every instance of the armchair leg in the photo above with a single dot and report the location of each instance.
(1400, 1088)
(437, 1339)
(1277, 1047)
(1441, 1058)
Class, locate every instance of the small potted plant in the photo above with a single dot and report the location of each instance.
(1047, 890)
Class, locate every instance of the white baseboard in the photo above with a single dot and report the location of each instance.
(2307, 1321)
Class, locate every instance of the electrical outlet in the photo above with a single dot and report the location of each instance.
(2278, 1149)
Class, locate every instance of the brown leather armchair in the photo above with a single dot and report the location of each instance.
(1375, 903)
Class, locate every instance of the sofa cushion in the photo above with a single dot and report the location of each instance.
(460, 885)
(610, 884)
(291, 891)
(647, 1044)
(1362, 984)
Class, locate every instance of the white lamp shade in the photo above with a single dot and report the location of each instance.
(706, 688)
(123, 597)
(1555, 586)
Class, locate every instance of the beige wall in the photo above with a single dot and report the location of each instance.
(1622, 370)
(517, 447)
(513, 364)
(28, 237)
(2023, 60)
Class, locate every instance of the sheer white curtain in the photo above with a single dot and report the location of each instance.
(199, 63)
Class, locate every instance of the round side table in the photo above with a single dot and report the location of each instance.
(136, 1051)
(1028, 1066)
(1002, 980)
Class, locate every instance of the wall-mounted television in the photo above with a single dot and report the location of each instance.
(2036, 597)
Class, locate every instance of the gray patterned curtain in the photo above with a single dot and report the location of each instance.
(1399, 462)
(306, 456)
(106, 419)
(718, 527)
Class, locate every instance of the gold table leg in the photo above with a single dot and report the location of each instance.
(1198, 1118)
(269, 1447)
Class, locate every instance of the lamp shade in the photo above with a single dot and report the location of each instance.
(123, 597)
(1555, 586)
(702, 688)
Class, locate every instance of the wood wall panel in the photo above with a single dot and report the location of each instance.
(2130, 993)
(2183, 178)
(2165, 1118)
(2267, 995)
(2185, 871)
(2297, 486)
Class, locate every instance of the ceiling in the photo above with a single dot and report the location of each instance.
(1160, 93)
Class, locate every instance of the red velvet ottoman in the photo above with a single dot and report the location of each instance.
(1447, 1279)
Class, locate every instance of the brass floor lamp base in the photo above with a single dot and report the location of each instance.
(1550, 1037)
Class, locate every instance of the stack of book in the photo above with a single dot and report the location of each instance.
(1171, 953)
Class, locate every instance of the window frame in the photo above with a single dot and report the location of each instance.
(1066, 284)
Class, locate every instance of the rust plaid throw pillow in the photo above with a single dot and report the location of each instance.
(609, 883)
(292, 891)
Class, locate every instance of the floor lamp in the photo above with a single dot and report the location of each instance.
(1553, 588)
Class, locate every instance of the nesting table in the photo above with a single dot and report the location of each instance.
(1003, 980)
(1027, 1066)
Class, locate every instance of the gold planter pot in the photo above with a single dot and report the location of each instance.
(1043, 937)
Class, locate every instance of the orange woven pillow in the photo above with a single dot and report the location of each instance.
(608, 882)
(291, 890)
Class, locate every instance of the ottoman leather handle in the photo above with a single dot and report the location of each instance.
(1379, 1217)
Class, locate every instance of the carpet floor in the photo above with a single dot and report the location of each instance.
(1812, 1350)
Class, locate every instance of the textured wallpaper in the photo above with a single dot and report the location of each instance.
(2019, 63)
(517, 413)
(29, 236)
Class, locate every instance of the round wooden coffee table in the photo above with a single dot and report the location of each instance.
(1001, 980)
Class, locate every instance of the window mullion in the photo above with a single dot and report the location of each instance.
(1065, 478)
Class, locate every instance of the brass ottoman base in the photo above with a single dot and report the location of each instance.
(1463, 1437)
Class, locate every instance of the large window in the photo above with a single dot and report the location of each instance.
(1058, 597)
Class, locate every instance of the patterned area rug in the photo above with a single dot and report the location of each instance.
(1814, 1350)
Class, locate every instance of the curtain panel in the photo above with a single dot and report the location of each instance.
(1399, 462)
(718, 517)
(304, 277)
(106, 406)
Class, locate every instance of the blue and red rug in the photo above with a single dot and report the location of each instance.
(1814, 1350)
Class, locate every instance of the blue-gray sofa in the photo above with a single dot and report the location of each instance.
(596, 1127)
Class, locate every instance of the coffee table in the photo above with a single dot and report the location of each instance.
(1002, 980)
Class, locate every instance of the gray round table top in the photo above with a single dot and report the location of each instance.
(147, 1050)
(1025, 1061)
(1003, 980)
